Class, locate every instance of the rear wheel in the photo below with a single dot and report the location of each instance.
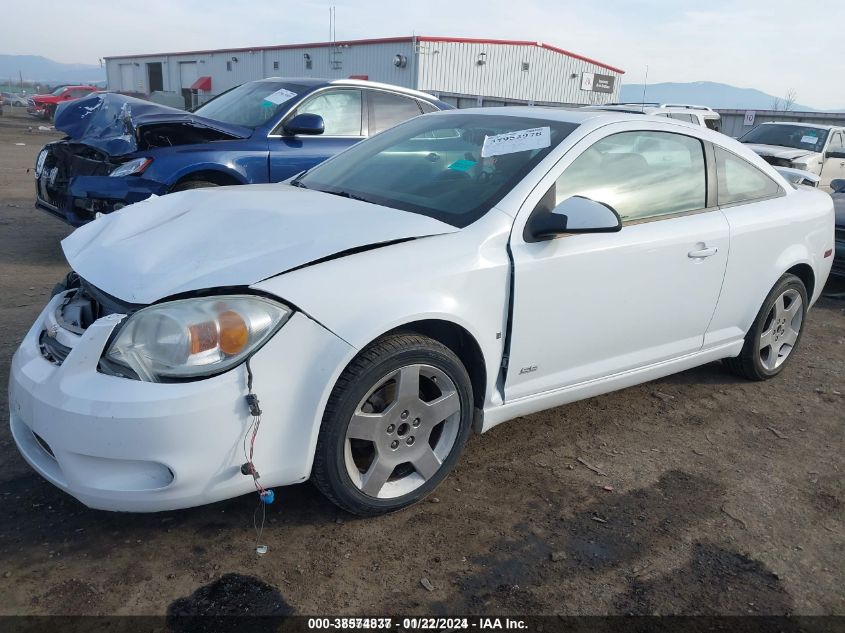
(193, 184)
(394, 426)
(775, 333)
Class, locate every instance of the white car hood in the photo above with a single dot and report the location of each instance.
(777, 151)
(228, 236)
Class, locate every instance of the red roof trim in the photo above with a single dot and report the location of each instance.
(384, 40)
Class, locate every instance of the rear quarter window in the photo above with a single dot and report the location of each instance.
(739, 181)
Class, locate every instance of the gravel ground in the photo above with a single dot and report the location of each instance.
(719, 496)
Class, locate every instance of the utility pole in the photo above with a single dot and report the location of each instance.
(645, 82)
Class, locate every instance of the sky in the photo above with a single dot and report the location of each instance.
(771, 45)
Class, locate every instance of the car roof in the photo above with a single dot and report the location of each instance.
(365, 83)
(316, 82)
(564, 115)
(802, 124)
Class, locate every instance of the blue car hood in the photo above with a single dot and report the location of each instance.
(109, 122)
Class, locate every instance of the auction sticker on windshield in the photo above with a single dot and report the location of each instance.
(280, 96)
(807, 138)
(518, 141)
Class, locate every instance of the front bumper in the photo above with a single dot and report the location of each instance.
(36, 109)
(86, 196)
(126, 445)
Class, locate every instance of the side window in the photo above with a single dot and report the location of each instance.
(835, 142)
(713, 124)
(740, 181)
(387, 110)
(340, 109)
(689, 118)
(640, 174)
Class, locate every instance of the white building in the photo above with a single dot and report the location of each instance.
(461, 71)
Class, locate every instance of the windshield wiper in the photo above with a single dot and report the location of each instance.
(346, 194)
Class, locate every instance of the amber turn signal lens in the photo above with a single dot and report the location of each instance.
(202, 336)
(234, 334)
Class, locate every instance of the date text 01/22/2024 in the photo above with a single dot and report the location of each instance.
(418, 623)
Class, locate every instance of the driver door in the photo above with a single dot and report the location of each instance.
(343, 113)
(589, 306)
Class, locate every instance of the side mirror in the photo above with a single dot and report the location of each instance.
(837, 153)
(305, 123)
(574, 215)
(838, 185)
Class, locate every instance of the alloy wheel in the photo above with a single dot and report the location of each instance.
(781, 329)
(402, 431)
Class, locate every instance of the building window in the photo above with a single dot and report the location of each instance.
(228, 65)
(275, 65)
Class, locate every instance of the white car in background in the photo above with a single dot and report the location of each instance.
(817, 149)
(459, 270)
(695, 114)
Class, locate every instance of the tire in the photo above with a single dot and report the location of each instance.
(370, 462)
(193, 184)
(780, 322)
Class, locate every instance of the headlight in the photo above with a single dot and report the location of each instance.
(39, 163)
(195, 337)
(134, 166)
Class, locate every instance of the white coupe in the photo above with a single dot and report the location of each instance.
(352, 326)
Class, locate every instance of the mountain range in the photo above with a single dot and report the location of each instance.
(710, 93)
(40, 69)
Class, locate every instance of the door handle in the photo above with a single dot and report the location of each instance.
(703, 252)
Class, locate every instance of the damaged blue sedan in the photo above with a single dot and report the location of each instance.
(119, 150)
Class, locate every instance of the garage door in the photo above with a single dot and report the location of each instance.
(188, 73)
(127, 78)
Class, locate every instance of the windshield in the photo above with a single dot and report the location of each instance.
(811, 139)
(58, 91)
(251, 104)
(452, 167)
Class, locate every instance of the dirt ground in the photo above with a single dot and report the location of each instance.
(720, 497)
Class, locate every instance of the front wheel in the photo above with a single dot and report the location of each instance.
(193, 184)
(394, 426)
(775, 333)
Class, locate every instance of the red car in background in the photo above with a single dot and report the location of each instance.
(44, 106)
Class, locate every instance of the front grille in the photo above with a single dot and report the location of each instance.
(64, 161)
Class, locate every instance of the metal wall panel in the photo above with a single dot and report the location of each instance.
(376, 61)
(448, 68)
(454, 68)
